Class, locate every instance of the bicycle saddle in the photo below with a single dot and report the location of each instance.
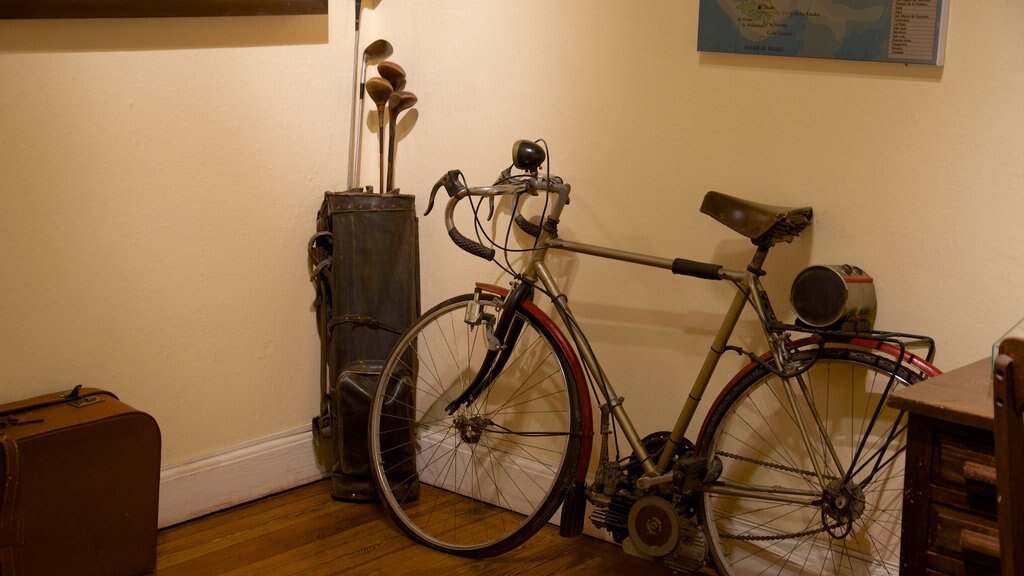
(759, 222)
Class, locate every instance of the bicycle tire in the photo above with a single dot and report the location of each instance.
(481, 481)
(855, 526)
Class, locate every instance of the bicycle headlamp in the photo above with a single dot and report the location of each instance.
(527, 155)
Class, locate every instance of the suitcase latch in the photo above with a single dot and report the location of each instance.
(85, 401)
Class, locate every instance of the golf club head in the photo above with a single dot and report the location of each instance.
(379, 91)
(400, 101)
(377, 51)
(393, 73)
(527, 155)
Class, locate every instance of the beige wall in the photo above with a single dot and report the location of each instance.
(159, 178)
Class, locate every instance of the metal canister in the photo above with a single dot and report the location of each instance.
(835, 297)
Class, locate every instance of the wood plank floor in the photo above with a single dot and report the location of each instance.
(303, 532)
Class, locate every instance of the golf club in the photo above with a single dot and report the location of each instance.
(355, 90)
(380, 90)
(377, 51)
(393, 73)
(398, 102)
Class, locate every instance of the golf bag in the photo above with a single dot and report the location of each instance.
(365, 259)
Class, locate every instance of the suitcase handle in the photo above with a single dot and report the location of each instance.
(76, 393)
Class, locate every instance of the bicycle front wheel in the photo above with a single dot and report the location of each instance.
(480, 480)
(812, 469)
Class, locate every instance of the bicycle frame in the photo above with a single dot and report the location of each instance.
(748, 289)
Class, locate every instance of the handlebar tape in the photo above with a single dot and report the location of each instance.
(473, 247)
(527, 226)
(696, 269)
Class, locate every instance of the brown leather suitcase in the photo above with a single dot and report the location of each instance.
(79, 483)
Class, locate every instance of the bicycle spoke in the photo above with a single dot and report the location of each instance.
(822, 435)
(850, 457)
(488, 475)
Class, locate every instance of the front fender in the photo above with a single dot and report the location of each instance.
(573, 508)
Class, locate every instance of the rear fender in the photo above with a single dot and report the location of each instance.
(887, 348)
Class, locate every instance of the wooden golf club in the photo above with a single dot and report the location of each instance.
(393, 73)
(377, 51)
(398, 102)
(380, 90)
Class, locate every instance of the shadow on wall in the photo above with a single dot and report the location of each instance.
(128, 34)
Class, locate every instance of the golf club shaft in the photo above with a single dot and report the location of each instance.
(380, 137)
(356, 92)
(392, 123)
(359, 124)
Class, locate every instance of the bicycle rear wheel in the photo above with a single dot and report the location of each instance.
(483, 479)
(829, 505)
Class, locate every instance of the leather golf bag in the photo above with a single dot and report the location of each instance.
(365, 259)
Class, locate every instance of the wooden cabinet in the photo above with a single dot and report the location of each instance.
(949, 505)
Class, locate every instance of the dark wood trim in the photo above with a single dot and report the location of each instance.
(10, 9)
(1008, 396)
(916, 495)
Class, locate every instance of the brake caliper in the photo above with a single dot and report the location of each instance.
(476, 316)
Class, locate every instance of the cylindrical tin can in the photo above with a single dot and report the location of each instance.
(834, 296)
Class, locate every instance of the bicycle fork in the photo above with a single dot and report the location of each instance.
(502, 334)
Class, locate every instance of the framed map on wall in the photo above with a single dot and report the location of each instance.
(909, 31)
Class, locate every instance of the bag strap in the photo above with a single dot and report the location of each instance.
(10, 529)
(320, 248)
(364, 320)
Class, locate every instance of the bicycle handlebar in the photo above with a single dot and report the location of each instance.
(527, 226)
(457, 191)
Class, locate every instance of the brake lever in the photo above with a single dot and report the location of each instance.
(450, 181)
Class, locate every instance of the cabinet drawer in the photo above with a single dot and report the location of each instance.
(964, 471)
(964, 538)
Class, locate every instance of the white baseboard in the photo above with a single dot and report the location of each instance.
(238, 475)
(254, 470)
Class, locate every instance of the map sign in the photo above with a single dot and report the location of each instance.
(911, 31)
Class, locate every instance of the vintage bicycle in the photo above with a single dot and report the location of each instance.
(482, 424)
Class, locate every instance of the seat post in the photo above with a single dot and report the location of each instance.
(757, 261)
(757, 292)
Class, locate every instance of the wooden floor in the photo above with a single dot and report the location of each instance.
(304, 532)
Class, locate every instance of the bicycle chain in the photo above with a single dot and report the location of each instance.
(780, 536)
(767, 464)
